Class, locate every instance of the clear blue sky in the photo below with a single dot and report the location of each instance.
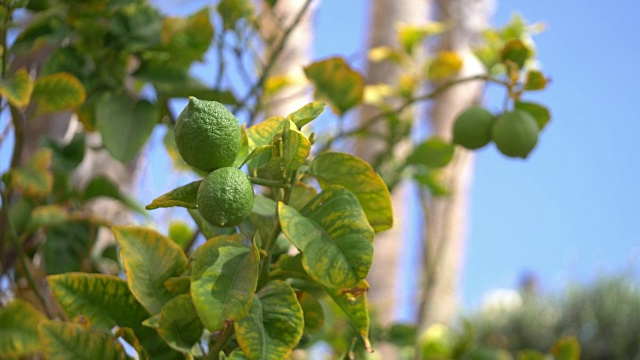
(569, 212)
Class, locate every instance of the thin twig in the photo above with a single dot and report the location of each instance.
(431, 95)
(18, 125)
(273, 59)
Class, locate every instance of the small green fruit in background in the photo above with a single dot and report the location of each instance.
(207, 135)
(515, 133)
(225, 197)
(472, 128)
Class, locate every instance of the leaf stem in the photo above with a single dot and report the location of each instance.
(269, 183)
(220, 342)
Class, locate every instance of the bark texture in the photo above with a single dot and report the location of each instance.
(447, 217)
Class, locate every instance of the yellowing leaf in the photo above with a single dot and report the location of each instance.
(17, 88)
(384, 53)
(307, 113)
(445, 65)
(357, 176)
(68, 341)
(277, 83)
(354, 303)
(187, 39)
(535, 80)
(34, 179)
(274, 324)
(149, 260)
(567, 348)
(19, 329)
(223, 281)
(179, 324)
(262, 133)
(333, 235)
(515, 52)
(336, 82)
(184, 196)
(376, 93)
(409, 35)
(57, 92)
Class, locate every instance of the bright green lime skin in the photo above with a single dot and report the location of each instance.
(472, 128)
(225, 197)
(207, 135)
(515, 133)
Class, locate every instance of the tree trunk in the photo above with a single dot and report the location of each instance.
(446, 217)
(295, 55)
(383, 276)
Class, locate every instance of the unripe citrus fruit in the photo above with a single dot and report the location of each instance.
(472, 128)
(225, 197)
(207, 135)
(515, 133)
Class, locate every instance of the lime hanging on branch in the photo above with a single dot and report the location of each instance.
(225, 197)
(472, 128)
(515, 133)
(207, 135)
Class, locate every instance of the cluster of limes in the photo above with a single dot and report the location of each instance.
(515, 133)
(208, 138)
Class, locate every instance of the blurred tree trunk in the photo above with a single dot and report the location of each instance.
(446, 217)
(294, 56)
(383, 277)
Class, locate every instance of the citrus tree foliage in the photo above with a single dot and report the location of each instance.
(291, 270)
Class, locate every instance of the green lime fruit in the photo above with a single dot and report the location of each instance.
(207, 135)
(472, 128)
(225, 197)
(515, 133)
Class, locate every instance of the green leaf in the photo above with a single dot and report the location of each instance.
(355, 174)
(66, 158)
(530, 355)
(539, 112)
(445, 65)
(288, 267)
(103, 186)
(34, 179)
(312, 311)
(47, 215)
(535, 80)
(432, 179)
(353, 302)
(135, 27)
(303, 193)
(262, 133)
(296, 150)
(274, 325)
(232, 11)
(336, 82)
(149, 260)
(434, 152)
(515, 52)
(17, 88)
(243, 153)
(57, 92)
(410, 35)
(106, 302)
(333, 235)
(63, 340)
(187, 39)
(307, 113)
(260, 156)
(223, 281)
(179, 324)
(19, 329)
(125, 124)
(567, 348)
(184, 196)
(67, 247)
(208, 231)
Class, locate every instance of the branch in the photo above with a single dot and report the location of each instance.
(273, 58)
(428, 96)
